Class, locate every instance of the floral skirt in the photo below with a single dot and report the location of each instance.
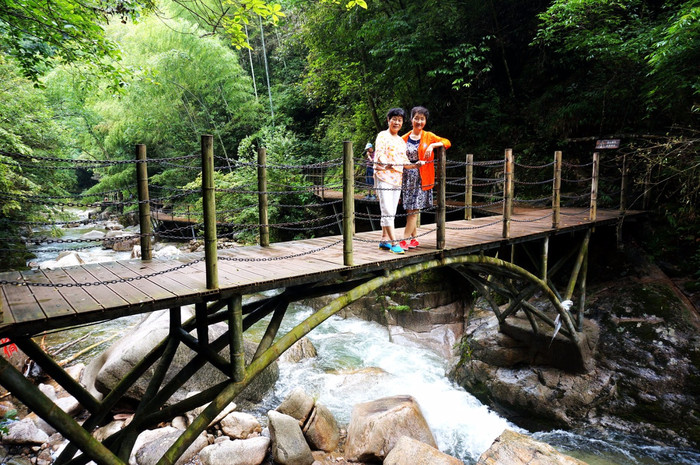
(414, 197)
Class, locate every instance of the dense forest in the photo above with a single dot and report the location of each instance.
(86, 81)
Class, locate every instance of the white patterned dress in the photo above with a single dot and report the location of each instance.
(412, 193)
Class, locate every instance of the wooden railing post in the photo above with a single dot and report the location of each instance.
(441, 181)
(469, 185)
(209, 209)
(623, 186)
(262, 198)
(556, 190)
(507, 192)
(348, 202)
(623, 201)
(144, 205)
(594, 187)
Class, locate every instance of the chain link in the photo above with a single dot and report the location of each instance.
(283, 257)
(101, 283)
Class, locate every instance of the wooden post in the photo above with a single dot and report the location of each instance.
(468, 205)
(594, 186)
(623, 187)
(545, 258)
(144, 205)
(262, 198)
(441, 181)
(348, 202)
(623, 202)
(507, 192)
(209, 210)
(582, 294)
(235, 328)
(583, 252)
(556, 190)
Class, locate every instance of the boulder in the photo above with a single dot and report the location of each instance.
(239, 452)
(288, 444)
(147, 436)
(408, 451)
(240, 425)
(113, 226)
(169, 251)
(68, 404)
(65, 259)
(321, 430)
(94, 234)
(136, 251)
(194, 413)
(300, 350)
(49, 391)
(151, 452)
(24, 432)
(109, 429)
(297, 405)
(375, 427)
(125, 245)
(517, 449)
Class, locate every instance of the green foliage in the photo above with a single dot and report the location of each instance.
(40, 34)
(183, 86)
(7, 418)
(241, 208)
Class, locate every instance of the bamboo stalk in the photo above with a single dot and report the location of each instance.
(235, 327)
(209, 207)
(348, 203)
(507, 192)
(556, 189)
(144, 205)
(594, 186)
(469, 185)
(262, 198)
(440, 215)
(37, 401)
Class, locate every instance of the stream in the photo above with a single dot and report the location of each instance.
(356, 363)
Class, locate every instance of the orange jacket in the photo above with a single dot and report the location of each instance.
(427, 171)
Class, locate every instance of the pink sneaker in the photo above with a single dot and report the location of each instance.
(403, 245)
(413, 244)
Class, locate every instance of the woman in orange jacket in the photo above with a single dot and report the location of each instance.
(417, 184)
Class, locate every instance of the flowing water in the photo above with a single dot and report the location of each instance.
(356, 363)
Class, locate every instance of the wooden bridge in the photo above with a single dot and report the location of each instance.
(215, 281)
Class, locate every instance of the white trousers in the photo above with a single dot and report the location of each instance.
(388, 195)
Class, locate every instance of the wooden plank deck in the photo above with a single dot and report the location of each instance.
(29, 310)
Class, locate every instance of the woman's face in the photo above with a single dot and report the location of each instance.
(395, 123)
(418, 121)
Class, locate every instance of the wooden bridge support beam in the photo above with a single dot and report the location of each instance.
(37, 401)
(116, 449)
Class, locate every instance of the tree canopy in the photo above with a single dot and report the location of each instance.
(537, 76)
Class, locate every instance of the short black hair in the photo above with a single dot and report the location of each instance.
(421, 111)
(396, 112)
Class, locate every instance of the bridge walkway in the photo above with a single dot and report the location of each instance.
(74, 295)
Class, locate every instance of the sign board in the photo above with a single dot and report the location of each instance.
(607, 144)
